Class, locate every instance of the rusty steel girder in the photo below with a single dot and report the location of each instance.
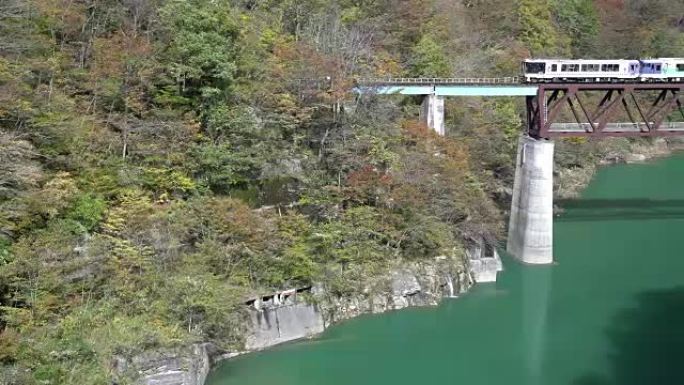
(602, 110)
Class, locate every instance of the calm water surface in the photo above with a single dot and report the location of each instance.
(611, 312)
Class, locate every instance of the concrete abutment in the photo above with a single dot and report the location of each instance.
(530, 229)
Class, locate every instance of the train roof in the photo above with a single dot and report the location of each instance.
(581, 60)
(650, 59)
(664, 58)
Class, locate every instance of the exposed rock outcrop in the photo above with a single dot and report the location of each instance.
(184, 367)
(408, 284)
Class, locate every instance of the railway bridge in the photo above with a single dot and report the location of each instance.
(553, 110)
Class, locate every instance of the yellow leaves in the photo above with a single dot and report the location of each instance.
(5, 73)
(9, 344)
(169, 181)
(133, 205)
(18, 317)
(386, 65)
(269, 37)
(55, 195)
(575, 140)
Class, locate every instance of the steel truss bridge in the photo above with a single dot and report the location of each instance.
(620, 109)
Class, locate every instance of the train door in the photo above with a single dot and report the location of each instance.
(633, 69)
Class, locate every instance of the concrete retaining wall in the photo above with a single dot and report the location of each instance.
(272, 326)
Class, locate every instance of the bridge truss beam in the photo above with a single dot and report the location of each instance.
(594, 107)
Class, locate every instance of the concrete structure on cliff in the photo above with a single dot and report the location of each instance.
(592, 110)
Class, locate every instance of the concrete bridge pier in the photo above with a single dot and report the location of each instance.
(530, 229)
(432, 113)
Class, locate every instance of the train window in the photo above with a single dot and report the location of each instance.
(680, 67)
(657, 67)
(554, 67)
(610, 67)
(535, 68)
(570, 68)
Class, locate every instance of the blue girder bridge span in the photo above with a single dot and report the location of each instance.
(591, 109)
(619, 109)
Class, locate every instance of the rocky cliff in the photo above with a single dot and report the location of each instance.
(305, 312)
(188, 366)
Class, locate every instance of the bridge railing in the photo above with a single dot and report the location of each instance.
(468, 81)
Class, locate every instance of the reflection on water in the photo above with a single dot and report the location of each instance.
(536, 287)
(623, 209)
(610, 312)
(647, 342)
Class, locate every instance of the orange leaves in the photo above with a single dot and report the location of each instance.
(120, 59)
(452, 153)
(415, 129)
(111, 53)
(368, 175)
(610, 4)
(368, 185)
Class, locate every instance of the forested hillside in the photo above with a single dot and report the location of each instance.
(163, 160)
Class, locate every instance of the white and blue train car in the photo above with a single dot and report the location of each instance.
(602, 71)
(662, 69)
(561, 70)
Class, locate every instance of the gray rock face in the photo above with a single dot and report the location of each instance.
(272, 326)
(179, 368)
(404, 286)
(407, 284)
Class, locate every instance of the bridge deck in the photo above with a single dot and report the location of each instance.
(617, 129)
(546, 100)
(451, 90)
(506, 86)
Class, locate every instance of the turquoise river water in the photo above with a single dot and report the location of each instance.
(610, 312)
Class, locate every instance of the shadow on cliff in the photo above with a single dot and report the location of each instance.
(611, 209)
(647, 342)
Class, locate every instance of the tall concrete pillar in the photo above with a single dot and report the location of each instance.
(530, 229)
(432, 113)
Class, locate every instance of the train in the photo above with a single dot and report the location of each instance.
(603, 71)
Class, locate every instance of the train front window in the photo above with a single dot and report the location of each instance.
(535, 68)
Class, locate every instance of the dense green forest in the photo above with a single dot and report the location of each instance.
(163, 160)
